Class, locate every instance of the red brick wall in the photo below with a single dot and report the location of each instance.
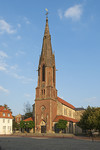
(47, 115)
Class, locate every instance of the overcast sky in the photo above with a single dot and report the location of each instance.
(75, 34)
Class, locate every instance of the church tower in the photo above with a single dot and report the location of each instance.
(46, 93)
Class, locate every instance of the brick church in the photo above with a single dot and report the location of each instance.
(48, 107)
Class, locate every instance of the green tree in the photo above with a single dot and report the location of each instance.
(61, 125)
(15, 125)
(97, 121)
(29, 124)
(22, 124)
(90, 119)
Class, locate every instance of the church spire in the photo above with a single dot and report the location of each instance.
(47, 57)
(46, 33)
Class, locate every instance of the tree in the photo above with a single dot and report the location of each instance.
(97, 121)
(90, 119)
(22, 124)
(6, 106)
(27, 125)
(61, 125)
(28, 110)
(15, 125)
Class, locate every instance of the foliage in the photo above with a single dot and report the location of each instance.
(6, 106)
(28, 115)
(27, 124)
(90, 119)
(61, 124)
(22, 124)
(28, 110)
(15, 125)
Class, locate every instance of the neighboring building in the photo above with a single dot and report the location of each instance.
(5, 120)
(19, 118)
(49, 108)
(29, 130)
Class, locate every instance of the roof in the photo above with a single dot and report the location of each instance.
(28, 119)
(3, 109)
(65, 103)
(79, 109)
(6, 111)
(64, 118)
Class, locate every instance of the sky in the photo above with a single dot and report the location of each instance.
(75, 35)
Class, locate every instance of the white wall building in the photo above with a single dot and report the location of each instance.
(6, 120)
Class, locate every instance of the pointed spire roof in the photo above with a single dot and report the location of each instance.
(46, 53)
(46, 33)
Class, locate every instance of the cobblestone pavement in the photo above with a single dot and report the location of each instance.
(40, 143)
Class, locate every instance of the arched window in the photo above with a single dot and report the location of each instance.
(43, 73)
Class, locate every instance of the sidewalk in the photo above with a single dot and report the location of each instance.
(52, 135)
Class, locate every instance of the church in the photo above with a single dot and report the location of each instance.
(49, 108)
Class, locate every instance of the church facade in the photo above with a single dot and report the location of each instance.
(48, 107)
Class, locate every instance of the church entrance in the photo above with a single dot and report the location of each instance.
(43, 129)
(43, 126)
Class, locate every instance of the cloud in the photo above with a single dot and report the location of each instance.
(60, 13)
(24, 79)
(20, 53)
(2, 89)
(90, 99)
(3, 54)
(2, 68)
(3, 65)
(27, 95)
(19, 25)
(11, 70)
(26, 20)
(14, 67)
(74, 12)
(5, 27)
(4, 44)
(18, 37)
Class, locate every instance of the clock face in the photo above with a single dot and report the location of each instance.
(43, 108)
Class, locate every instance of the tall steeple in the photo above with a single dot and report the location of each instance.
(46, 93)
(46, 53)
(46, 67)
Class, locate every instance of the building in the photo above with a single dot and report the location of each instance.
(48, 107)
(19, 118)
(6, 120)
(27, 129)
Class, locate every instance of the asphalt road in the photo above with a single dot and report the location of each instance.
(24, 143)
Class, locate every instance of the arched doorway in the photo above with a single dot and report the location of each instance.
(43, 126)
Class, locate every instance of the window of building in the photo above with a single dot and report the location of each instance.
(3, 120)
(4, 127)
(44, 91)
(8, 121)
(65, 111)
(3, 114)
(8, 115)
(54, 74)
(70, 113)
(43, 73)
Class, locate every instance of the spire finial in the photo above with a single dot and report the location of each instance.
(46, 13)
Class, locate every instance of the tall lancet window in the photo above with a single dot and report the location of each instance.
(53, 74)
(43, 73)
